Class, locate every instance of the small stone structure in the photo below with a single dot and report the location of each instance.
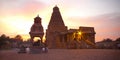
(36, 29)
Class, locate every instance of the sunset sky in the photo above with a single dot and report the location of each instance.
(17, 16)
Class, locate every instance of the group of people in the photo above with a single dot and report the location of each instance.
(37, 47)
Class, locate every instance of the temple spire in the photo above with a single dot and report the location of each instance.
(55, 5)
(56, 18)
(38, 15)
(55, 27)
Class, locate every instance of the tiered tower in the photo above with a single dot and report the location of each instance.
(55, 27)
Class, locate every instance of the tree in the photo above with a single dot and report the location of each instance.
(18, 37)
(4, 40)
(107, 40)
(118, 39)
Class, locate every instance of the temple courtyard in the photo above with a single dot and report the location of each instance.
(63, 54)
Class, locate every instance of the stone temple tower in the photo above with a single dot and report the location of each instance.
(36, 29)
(55, 28)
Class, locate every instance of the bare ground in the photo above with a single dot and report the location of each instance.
(64, 54)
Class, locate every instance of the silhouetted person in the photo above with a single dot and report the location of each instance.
(36, 43)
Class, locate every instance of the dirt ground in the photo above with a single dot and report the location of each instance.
(64, 54)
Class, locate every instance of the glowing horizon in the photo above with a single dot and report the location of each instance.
(17, 16)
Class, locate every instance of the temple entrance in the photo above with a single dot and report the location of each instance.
(35, 38)
(37, 41)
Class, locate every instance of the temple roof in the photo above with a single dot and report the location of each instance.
(37, 19)
(87, 29)
(56, 18)
(83, 30)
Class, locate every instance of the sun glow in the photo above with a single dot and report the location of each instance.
(18, 24)
(80, 33)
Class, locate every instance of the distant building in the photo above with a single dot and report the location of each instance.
(108, 45)
(58, 36)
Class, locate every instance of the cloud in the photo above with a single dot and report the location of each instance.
(14, 7)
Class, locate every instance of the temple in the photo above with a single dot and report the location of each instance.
(55, 28)
(58, 36)
(36, 29)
